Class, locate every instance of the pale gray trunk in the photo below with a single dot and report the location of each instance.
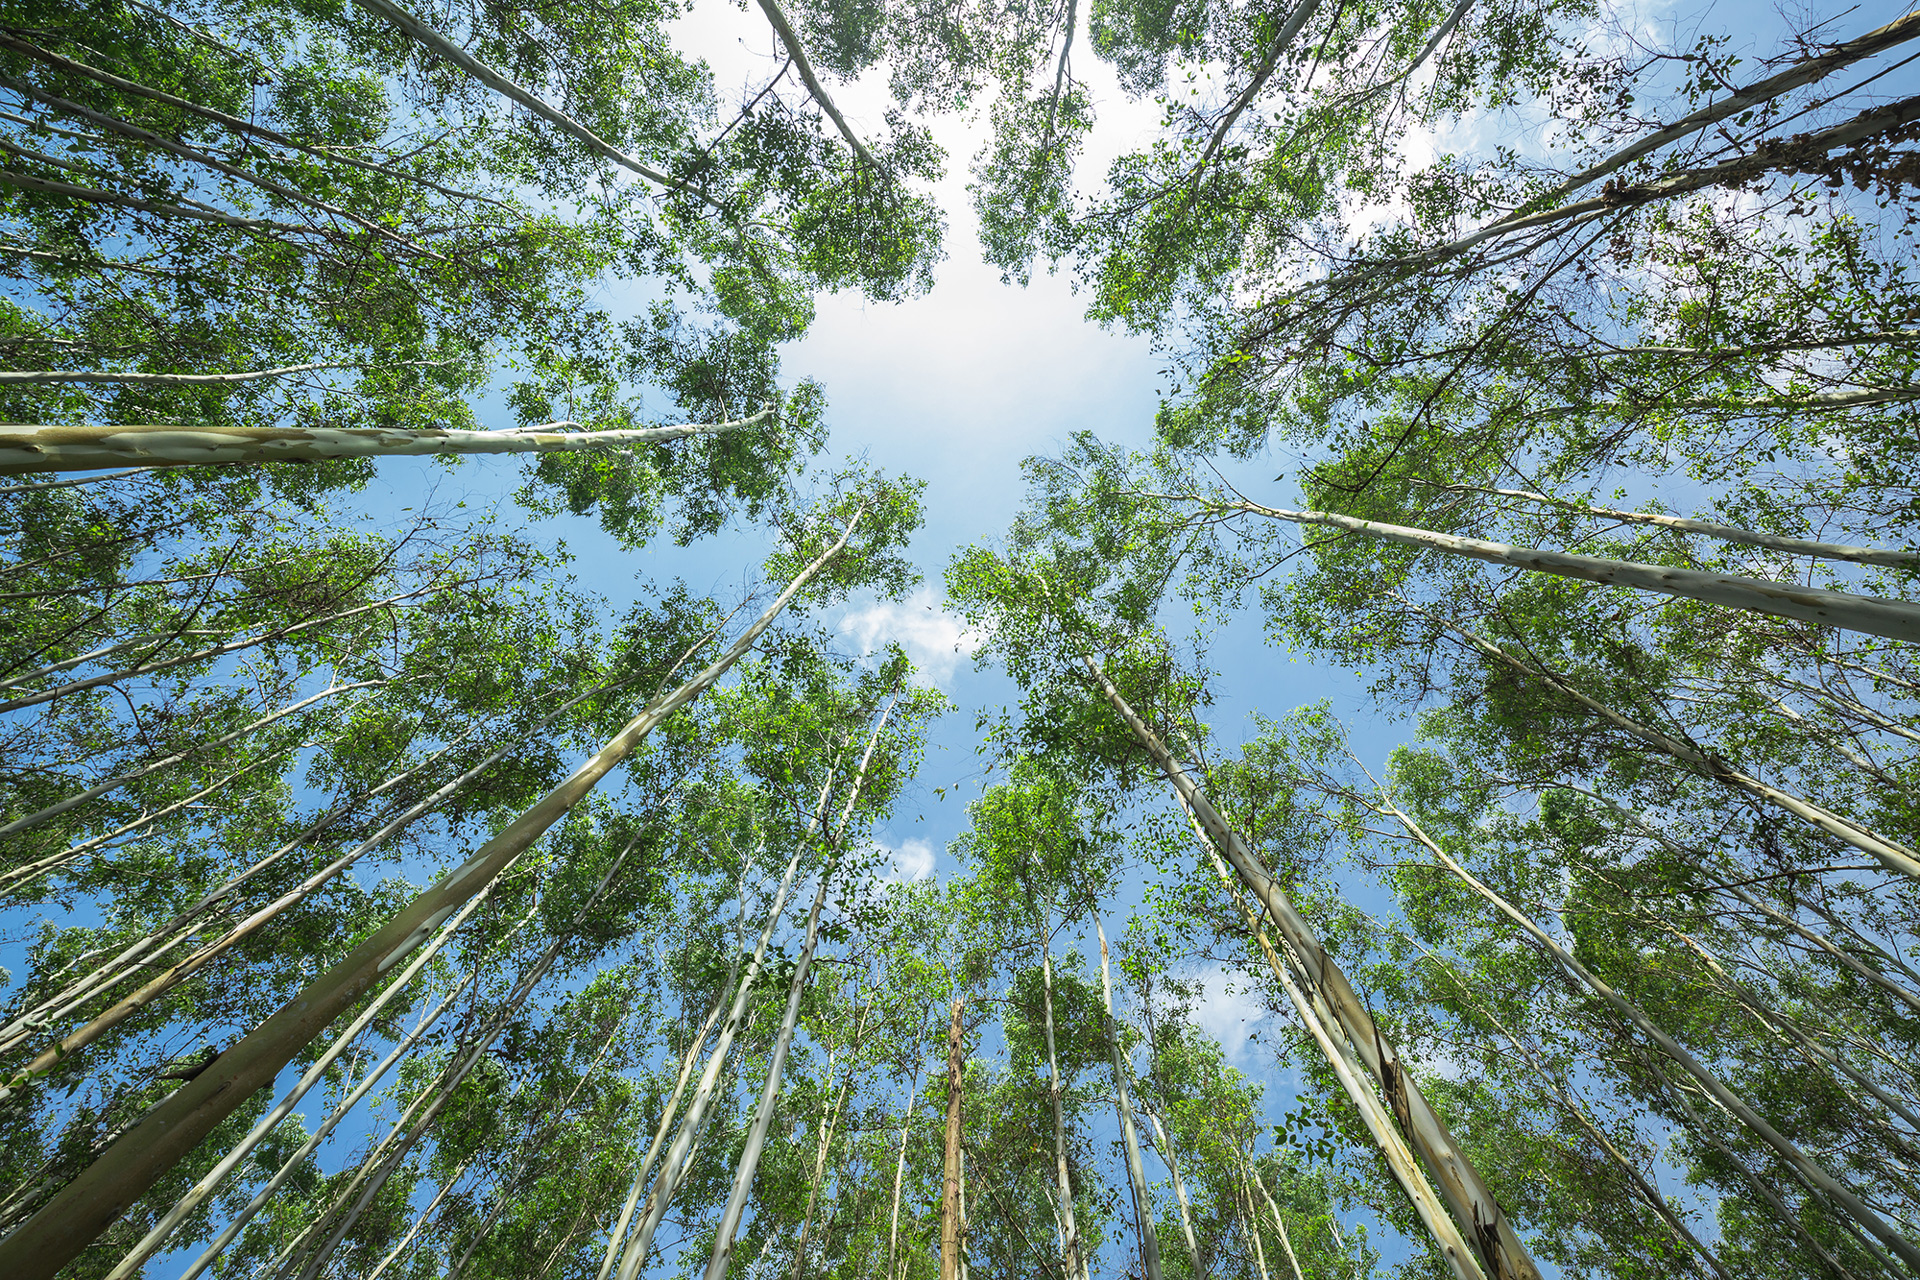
(749, 1163)
(1070, 1230)
(1164, 1139)
(1896, 619)
(1144, 1224)
(175, 974)
(1279, 1223)
(900, 1170)
(668, 1112)
(1893, 856)
(1466, 1193)
(134, 775)
(210, 1182)
(1725, 533)
(797, 50)
(1789, 1154)
(85, 1207)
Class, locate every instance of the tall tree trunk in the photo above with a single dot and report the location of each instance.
(1894, 857)
(179, 972)
(1164, 1140)
(1144, 1226)
(900, 1168)
(749, 1162)
(1279, 1223)
(827, 1131)
(37, 448)
(1789, 1154)
(1724, 532)
(1069, 1226)
(85, 1207)
(210, 1182)
(667, 1112)
(1354, 1077)
(1896, 619)
(1466, 1193)
(950, 1194)
(681, 1154)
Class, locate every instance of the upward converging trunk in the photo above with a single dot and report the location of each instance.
(749, 1162)
(1069, 1225)
(1797, 1160)
(42, 448)
(85, 1207)
(950, 1242)
(1467, 1195)
(1895, 619)
(1130, 1138)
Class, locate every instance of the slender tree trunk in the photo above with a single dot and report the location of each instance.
(1164, 1139)
(900, 1168)
(90, 1203)
(134, 775)
(26, 449)
(1279, 1223)
(1561, 1094)
(667, 1113)
(1724, 532)
(210, 1182)
(175, 974)
(1466, 1193)
(826, 1142)
(1790, 1154)
(211, 652)
(1070, 1229)
(1893, 856)
(950, 1195)
(680, 1155)
(1896, 619)
(749, 1163)
(1144, 1226)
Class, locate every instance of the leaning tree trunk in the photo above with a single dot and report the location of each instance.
(1466, 1192)
(41, 448)
(1895, 619)
(88, 1205)
(1790, 1154)
(1354, 1079)
(1894, 857)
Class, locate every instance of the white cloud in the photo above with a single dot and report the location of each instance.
(1228, 1014)
(934, 640)
(913, 860)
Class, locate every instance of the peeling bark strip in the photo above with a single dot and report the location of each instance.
(1895, 619)
(88, 1205)
(29, 448)
(1468, 1198)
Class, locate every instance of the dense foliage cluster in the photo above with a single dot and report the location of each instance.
(387, 904)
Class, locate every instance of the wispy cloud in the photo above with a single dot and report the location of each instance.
(913, 860)
(934, 640)
(1227, 1013)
